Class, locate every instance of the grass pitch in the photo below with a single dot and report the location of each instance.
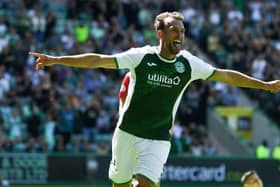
(111, 186)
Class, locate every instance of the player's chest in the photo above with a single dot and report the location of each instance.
(163, 74)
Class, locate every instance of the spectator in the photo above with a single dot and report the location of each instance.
(90, 117)
(4, 82)
(65, 126)
(51, 22)
(276, 152)
(177, 130)
(16, 125)
(82, 32)
(33, 121)
(262, 150)
(38, 21)
(4, 182)
(258, 67)
(49, 130)
(230, 96)
(103, 122)
(209, 148)
(234, 15)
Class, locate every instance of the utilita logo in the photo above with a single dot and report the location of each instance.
(163, 80)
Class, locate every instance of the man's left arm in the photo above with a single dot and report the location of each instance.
(239, 79)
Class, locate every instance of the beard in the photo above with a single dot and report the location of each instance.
(173, 48)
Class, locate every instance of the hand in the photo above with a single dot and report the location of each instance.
(274, 86)
(42, 60)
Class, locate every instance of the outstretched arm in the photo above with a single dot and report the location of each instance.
(236, 78)
(87, 60)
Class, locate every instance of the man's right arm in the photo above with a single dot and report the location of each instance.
(87, 60)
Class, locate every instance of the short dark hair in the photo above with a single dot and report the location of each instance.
(248, 174)
(159, 21)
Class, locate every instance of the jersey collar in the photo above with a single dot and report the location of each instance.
(165, 59)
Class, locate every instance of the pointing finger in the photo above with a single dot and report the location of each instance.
(35, 54)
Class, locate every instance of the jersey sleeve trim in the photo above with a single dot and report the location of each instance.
(213, 72)
(116, 62)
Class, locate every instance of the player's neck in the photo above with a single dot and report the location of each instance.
(164, 53)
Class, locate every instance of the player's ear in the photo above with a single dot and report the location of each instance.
(159, 33)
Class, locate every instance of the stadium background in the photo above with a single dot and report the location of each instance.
(60, 110)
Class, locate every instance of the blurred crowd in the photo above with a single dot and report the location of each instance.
(244, 36)
(61, 109)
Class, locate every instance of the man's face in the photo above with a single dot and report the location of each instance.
(253, 181)
(173, 35)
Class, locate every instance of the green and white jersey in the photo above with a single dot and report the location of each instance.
(155, 89)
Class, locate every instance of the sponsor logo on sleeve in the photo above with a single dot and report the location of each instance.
(151, 64)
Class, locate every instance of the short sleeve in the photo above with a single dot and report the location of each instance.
(129, 59)
(200, 69)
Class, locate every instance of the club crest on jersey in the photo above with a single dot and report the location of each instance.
(180, 67)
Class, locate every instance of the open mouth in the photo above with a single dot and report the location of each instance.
(177, 43)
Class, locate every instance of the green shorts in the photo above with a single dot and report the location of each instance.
(132, 155)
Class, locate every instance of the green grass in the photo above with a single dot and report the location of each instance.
(110, 186)
(163, 185)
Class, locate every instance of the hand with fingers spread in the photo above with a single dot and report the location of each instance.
(42, 60)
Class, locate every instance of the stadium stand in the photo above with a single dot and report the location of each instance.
(49, 110)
